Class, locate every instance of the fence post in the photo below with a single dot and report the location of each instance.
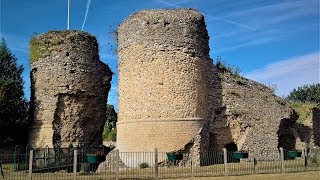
(192, 162)
(255, 161)
(117, 164)
(225, 160)
(15, 164)
(30, 164)
(305, 158)
(75, 163)
(156, 163)
(282, 160)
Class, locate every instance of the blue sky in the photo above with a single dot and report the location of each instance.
(272, 41)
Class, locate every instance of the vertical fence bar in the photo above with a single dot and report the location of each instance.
(15, 166)
(255, 165)
(30, 164)
(282, 160)
(75, 159)
(26, 158)
(192, 162)
(117, 164)
(305, 158)
(156, 170)
(225, 161)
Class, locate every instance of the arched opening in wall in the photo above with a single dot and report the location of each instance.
(286, 138)
(231, 148)
(286, 141)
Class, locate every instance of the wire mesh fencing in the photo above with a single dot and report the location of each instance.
(100, 163)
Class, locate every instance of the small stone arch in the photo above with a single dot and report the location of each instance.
(231, 147)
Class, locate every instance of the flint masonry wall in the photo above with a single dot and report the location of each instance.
(172, 97)
(250, 116)
(163, 89)
(69, 87)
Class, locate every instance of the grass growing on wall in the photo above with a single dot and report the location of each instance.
(41, 45)
(40, 48)
(304, 110)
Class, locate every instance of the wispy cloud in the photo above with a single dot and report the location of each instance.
(176, 4)
(290, 73)
(86, 15)
(245, 44)
(242, 25)
(261, 24)
(17, 43)
(168, 3)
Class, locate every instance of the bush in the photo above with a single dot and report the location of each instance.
(312, 159)
(306, 93)
(110, 135)
(304, 110)
(144, 165)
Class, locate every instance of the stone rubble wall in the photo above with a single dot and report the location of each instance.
(69, 88)
(163, 87)
(307, 133)
(249, 115)
(172, 97)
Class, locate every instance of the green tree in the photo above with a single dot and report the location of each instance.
(306, 93)
(13, 106)
(109, 131)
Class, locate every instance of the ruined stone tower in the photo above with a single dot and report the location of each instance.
(163, 86)
(69, 87)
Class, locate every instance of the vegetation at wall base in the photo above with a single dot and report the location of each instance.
(13, 106)
(144, 165)
(110, 135)
(109, 130)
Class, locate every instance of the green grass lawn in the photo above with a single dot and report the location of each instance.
(310, 175)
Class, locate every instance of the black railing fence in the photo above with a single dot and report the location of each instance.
(101, 163)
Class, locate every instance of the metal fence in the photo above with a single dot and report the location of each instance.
(99, 163)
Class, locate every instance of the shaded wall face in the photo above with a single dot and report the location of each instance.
(316, 125)
(162, 80)
(69, 90)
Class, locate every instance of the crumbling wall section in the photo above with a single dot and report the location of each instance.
(69, 89)
(251, 116)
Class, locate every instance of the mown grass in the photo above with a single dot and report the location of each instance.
(310, 175)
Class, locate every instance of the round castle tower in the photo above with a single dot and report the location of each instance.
(69, 87)
(163, 86)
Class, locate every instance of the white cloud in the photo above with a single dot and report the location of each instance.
(290, 73)
(86, 14)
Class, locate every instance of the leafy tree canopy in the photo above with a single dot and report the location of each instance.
(13, 106)
(306, 93)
